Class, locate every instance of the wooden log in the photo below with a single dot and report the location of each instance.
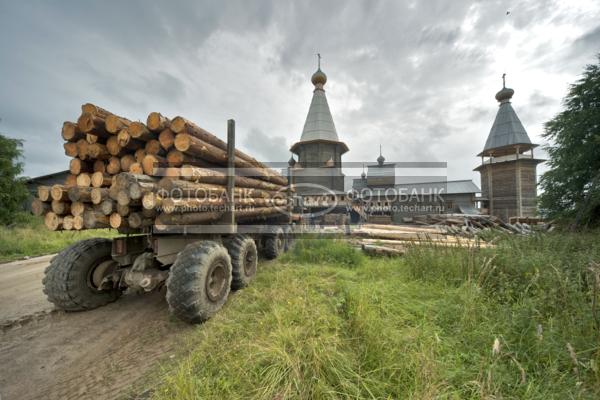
(137, 220)
(52, 221)
(107, 206)
(136, 168)
(113, 146)
(78, 222)
(92, 123)
(38, 207)
(181, 125)
(113, 166)
(71, 180)
(126, 162)
(98, 151)
(91, 138)
(59, 193)
(114, 123)
(60, 207)
(123, 210)
(139, 131)
(163, 221)
(198, 148)
(99, 166)
(177, 158)
(71, 133)
(68, 222)
(170, 205)
(166, 138)
(123, 180)
(181, 188)
(82, 148)
(78, 208)
(118, 221)
(98, 195)
(382, 250)
(77, 166)
(153, 147)
(139, 155)
(138, 189)
(84, 179)
(197, 174)
(151, 200)
(83, 194)
(99, 180)
(94, 219)
(157, 122)
(126, 141)
(93, 109)
(152, 161)
(123, 197)
(71, 149)
(43, 193)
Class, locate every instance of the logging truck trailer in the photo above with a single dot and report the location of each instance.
(198, 264)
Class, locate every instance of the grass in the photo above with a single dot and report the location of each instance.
(324, 321)
(29, 237)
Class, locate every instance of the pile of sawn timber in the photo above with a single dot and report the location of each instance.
(131, 175)
(470, 225)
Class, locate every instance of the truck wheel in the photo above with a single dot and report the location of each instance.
(274, 244)
(72, 279)
(199, 281)
(243, 253)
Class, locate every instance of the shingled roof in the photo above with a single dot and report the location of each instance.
(507, 132)
(319, 123)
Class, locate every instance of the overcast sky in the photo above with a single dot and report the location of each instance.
(417, 76)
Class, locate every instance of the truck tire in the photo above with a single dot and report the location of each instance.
(274, 244)
(244, 256)
(68, 280)
(199, 281)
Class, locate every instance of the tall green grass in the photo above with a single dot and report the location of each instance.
(29, 237)
(325, 321)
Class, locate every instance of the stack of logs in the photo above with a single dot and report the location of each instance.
(474, 224)
(132, 175)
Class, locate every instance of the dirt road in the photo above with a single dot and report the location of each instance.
(97, 354)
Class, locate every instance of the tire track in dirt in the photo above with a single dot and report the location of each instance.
(94, 354)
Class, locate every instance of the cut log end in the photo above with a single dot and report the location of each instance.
(39, 208)
(157, 122)
(52, 221)
(178, 124)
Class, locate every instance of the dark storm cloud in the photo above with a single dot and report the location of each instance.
(266, 147)
(417, 76)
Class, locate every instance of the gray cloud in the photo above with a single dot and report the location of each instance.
(265, 147)
(419, 77)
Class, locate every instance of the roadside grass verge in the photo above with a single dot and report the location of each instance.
(29, 237)
(325, 321)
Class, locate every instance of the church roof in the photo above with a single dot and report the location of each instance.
(507, 131)
(319, 122)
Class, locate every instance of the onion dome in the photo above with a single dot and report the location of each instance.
(319, 78)
(363, 175)
(381, 158)
(505, 94)
(292, 161)
(329, 163)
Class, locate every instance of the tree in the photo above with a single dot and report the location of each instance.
(571, 188)
(13, 191)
